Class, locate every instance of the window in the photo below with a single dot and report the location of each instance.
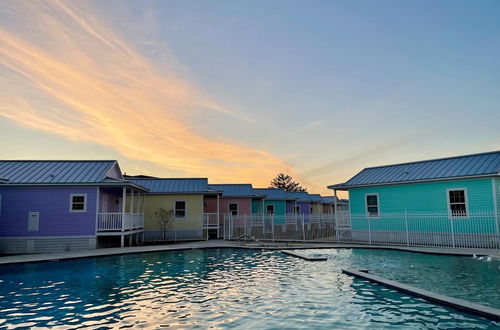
(78, 203)
(270, 209)
(311, 209)
(180, 209)
(233, 208)
(372, 207)
(296, 209)
(457, 202)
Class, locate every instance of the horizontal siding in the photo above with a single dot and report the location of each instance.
(423, 197)
(194, 210)
(53, 205)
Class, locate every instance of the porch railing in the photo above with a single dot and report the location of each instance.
(119, 221)
(210, 220)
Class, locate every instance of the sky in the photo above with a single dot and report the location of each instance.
(238, 91)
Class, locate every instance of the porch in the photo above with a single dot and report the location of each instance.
(121, 213)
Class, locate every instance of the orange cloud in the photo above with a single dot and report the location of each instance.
(86, 84)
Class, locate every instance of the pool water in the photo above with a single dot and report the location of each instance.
(220, 288)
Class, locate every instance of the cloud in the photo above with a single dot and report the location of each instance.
(73, 76)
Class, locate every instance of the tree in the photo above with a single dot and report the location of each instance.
(285, 182)
(163, 218)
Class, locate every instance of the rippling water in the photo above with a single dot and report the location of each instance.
(218, 288)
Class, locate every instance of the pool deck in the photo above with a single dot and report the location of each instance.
(27, 258)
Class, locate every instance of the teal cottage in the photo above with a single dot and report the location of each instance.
(273, 204)
(451, 201)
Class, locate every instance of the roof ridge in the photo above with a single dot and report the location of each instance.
(432, 160)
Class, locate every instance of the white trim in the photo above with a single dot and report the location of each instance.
(71, 203)
(237, 208)
(378, 206)
(175, 210)
(467, 210)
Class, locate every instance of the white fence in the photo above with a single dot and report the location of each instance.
(474, 229)
(119, 221)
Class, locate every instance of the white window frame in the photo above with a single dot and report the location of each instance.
(467, 210)
(175, 210)
(71, 203)
(378, 206)
(237, 208)
(272, 205)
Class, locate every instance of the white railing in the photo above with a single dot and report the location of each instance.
(474, 229)
(210, 220)
(118, 222)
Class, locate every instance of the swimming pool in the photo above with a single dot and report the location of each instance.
(221, 288)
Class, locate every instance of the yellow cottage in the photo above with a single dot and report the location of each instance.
(185, 198)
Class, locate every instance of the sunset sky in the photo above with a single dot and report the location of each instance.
(238, 91)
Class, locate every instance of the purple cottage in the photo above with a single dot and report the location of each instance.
(55, 206)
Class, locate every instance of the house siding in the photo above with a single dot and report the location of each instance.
(428, 197)
(279, 209)
(423, 197)
(194, 211)
(53, 204)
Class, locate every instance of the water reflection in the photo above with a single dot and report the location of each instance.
(222, 288)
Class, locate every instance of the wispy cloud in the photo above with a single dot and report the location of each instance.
(85, 83)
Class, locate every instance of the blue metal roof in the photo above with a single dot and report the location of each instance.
(484, 164)
(55, 171)
(273, 193)
(234, 190)
(173, 186)
(300, 196)
(315, 198)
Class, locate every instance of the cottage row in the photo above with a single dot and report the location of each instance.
(48, 206)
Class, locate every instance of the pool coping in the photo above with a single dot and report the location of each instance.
(460, 304)
(302, 256)
(217, 244)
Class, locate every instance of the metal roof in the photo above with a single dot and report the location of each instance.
(484, 164)
(300, 196)
(55, 171)
(235, 190)
(273, 193)
(173, 185)
(315, 198)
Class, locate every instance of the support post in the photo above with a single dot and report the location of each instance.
(406, 225)
(452, 232)
(124, 193)
(122, 240)
(303, 229)
(218, 219)
(369, 231)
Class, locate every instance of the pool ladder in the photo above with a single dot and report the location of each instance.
(245, 236)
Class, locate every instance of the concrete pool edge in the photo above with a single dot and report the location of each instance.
(460, 304)
(212, 244)
(304, 257)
